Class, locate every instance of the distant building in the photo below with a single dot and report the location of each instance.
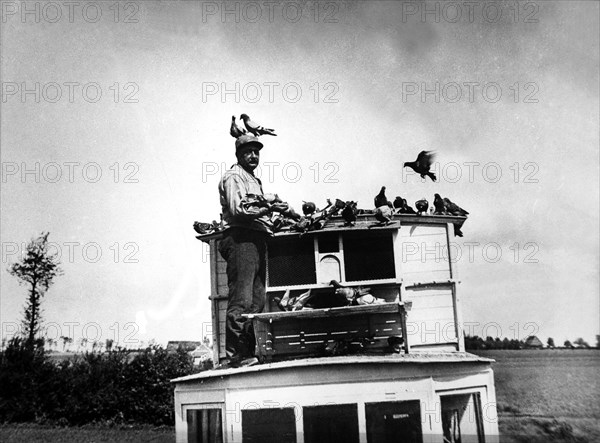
(533, 342)
(187, 346)
(201, 354)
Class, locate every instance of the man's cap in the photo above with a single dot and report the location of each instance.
(247, 139)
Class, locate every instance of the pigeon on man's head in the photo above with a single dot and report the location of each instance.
(439, 204)
(381, 199)
(422, 206)
(255, 128)
(236, 130)
(422, 164)
(454, 209)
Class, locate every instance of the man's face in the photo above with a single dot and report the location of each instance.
(248, 157)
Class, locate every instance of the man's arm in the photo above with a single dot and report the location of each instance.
(235, 199)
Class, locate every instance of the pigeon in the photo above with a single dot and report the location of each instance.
(383, 214)
(255, 128)
(283, 304)
(440, 205)
(203, 228)
(395, 344)
(290, 213)
(272, 198)
(422, 164)
(405, 208)
(454, 209)
(336, 347)
(339, 204)
(457, 230)
(301, 300)
(236, 130)
(398, 203)
(349, 213)
(308, 208)
(381, 199)
(347, 294)
(422, 206)
(302, 225)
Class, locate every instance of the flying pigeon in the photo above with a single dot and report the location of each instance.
(381, 199)
(454, 209)
(422, 165)
(236, 130)
(422, 206)
(255, 128)
(308, 208)
(349, 213)
(440, 205)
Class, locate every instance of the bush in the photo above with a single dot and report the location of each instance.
(116, 387)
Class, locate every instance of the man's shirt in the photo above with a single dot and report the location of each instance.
(234, 187)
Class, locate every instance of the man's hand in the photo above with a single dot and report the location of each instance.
(279, 207)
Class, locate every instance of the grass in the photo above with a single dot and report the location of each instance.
(547, 395)
(89, 433)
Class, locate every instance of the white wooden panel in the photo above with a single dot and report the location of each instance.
(431, 319)
(424, 253)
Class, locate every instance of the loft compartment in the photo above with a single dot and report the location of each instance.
(332, 331)
(291, 261)
(368, 255)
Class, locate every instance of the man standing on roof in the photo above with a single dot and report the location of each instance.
(246, 218)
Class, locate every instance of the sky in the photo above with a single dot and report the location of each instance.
(114, 132)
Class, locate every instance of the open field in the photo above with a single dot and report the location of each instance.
(547, 395)
(93, 433)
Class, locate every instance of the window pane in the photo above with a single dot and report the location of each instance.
(291, 261)
(368, 255)
(331, 424)
(390, 422)
(269, 425)
(461, 418)
(204, 426)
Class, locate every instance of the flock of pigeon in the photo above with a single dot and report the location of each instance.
(314, 218)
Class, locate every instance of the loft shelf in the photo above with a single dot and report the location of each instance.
(307, 333)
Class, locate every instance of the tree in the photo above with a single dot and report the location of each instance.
(36, 269)
(568, 344)
(598, 341)
(550, 342)
(581, 343)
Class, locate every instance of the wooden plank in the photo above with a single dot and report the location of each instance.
(328, 312)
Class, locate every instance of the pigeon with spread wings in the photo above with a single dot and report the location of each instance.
(422, 164)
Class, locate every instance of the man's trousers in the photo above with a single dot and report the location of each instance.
(245, 251)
